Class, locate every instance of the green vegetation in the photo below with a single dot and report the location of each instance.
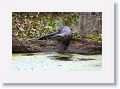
(76, 35)
(96, 37)
(31, 25)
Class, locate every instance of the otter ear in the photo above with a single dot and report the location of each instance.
(60, 28)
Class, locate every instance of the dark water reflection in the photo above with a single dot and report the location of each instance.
(67, 58)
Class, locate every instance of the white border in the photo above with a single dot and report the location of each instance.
(104, 6)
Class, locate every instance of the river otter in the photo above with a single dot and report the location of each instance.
(63, 36)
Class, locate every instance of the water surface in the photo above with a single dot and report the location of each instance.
(52, 61)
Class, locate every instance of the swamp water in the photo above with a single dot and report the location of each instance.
(53, 61)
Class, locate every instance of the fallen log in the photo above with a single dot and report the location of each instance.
(20, 47)
(79, 46)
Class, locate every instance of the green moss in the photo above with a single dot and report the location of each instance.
(96, 37)
(76, 35)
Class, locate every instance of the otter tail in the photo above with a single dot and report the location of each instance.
(47, 37)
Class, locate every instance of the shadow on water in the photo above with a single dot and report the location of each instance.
(68, 57)
(60, 58)
(29, 54)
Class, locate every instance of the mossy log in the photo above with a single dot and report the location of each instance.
(79, 46)
(20, 47)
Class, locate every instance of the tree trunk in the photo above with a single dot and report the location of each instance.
(90, 23)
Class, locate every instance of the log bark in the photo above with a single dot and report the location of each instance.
(79, 46)
(19, 47)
